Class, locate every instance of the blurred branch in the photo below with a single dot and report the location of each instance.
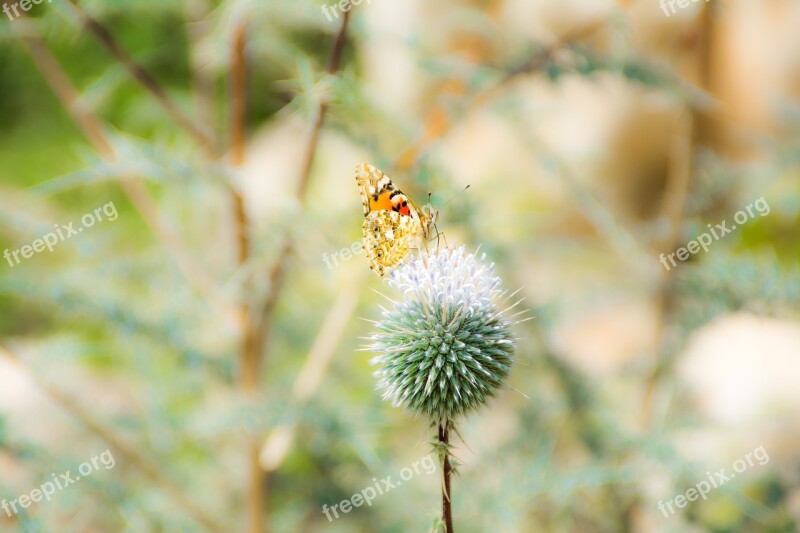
(256, 492)
(600, 440)
(332, 67)
(679, 177)
(144, 78)
(133, 187)
(70, 98)
(324, 346)
(601, 218)
(202, 83)
(238, 109)
(681, 168)
(131, 456)
(257, 328)
(437, 122)
(261, 322)
(314, 368)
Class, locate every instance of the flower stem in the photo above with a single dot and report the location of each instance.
(444, 440)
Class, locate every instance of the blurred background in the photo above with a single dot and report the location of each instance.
(201, 318)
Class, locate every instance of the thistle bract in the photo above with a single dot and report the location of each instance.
(446, 347)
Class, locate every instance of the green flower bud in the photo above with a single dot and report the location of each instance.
(446, 348)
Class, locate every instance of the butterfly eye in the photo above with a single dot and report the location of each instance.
(379, 253)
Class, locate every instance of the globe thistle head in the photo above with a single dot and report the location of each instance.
(446, 347)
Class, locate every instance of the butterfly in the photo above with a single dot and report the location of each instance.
(393, 224)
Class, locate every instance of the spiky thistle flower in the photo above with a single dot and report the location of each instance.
(446, 347)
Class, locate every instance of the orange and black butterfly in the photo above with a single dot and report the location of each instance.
(393, 224)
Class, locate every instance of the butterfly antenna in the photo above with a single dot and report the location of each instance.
(456, 195)
(440, 235)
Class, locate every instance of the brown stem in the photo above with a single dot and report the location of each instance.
(256, 480)
(238, 110)
(331, 67)
(259, 331)
(257, 326)
(447, 469)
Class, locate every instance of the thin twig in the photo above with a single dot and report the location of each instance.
(676, 191)
(257, 328)
(438, 124)
(332, 67)
(143, 77)
(61, 85)
(681, 167)
(314, 368)
(324, 346)
(694, 132)
(238, 109)
(132, 186)
(131, 456)
(262, 320)
(256, 492)
(600, 217)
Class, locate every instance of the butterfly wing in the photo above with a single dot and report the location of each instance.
(393, 224)
(376, 188)
(389, 237)
(378, 192)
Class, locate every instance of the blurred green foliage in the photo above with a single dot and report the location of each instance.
(115, 310)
